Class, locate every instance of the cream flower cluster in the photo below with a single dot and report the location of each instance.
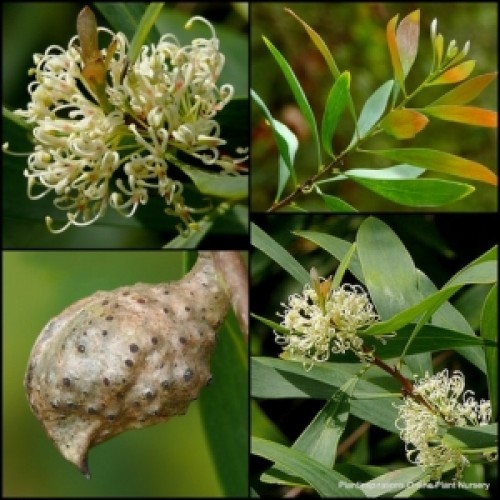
(422, 429)
(316, 329)
(161, 105)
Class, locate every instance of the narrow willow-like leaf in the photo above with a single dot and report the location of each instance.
(324, 480)
(393, 51)
(404, 123)
(286, 141)
(261, 240)
(439, 161)
(394, 172)
(143, 29)
(467, 91)
(343, 266)
(334, 107)
(389, 484)
(125, 17)
(489, 331)
(336, 204)
(407, 35)
(193, 238)
(455, 74)
(469, 115)
(373, 109)
(299, 95)
(472, 437)
(416, 192)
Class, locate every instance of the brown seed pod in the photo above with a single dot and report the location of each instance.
(125, 359)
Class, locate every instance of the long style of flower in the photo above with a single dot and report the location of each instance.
(323, 323)
(422, 427)
(148, 112)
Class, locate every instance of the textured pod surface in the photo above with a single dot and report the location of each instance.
(125, 359)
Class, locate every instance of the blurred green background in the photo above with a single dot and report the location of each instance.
(169, 459)
(29, 28)
(355, 34)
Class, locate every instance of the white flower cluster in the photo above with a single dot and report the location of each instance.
(162, 104)
(422, 429)
(317, 328)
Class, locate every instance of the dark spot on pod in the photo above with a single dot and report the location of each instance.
(204, 284)
(67, 446)
(120, 395)
(209, 380)
(142, 419)
(141, 300)
(85, 333)
(112, 416)
(66, 382)
(129, 362)
(187, 308)
(182, 340)
(137, 403)
(166, 384)
(165, 310)
(72, 405)
(200, 333)
(133, 347)
(54, 405)
(154, 413)
(188, 375)
(154, 340)
(91, 411)
(81, 348)
(105, 380)
(126, 293)
(191, 293)
(104, 333)
(85, 393)
(203, 309)
(90, 321)
(105, 302)
(63, 347)
(116, 306)
(109, 318)
(150, 395)
(166, 291)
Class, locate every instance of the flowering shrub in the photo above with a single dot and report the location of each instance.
(112, 128)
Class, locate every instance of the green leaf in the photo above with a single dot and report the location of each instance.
(387, 485)
(324, 480)
(299, 95)
(389, 173)
(279, 379)
(439, 161)
(229, 187)
(404, 123)
(334, 107)
(416, 192)
(286, 141)
(407, 35)
(473, 437)
(193, 238)
(489, 331)
(337, 247)
(224, 410)
(261, 240)
(388, 268)
(467, 91)
(373, 109)
(343, 265)
(143, 29)
(336, 204)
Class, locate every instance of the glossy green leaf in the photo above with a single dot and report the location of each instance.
(469, 115)
(389, 173)
(484, 272)
(343, 266)
(261, 240)
(489, 331)
(373, 109)
(279, 379)
(388, 268)
(286, 141)
(393, 51)
(416, 192)
(404, 123)
(455, 74)
(230, 187)
(224, 410)
(334, 107)
(472, 437)
(389, 484)
(144, 27)
(324, 480)
(299, 95)
(439, 161)
(336, 247)
(336, 204)
(407, 35)
(467, 91)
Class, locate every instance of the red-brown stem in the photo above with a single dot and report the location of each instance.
(233, 270)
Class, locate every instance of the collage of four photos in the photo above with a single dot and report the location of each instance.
(250, 249)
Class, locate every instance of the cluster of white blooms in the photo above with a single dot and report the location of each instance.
(317, 327)
(422, 429)
(162, 104)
